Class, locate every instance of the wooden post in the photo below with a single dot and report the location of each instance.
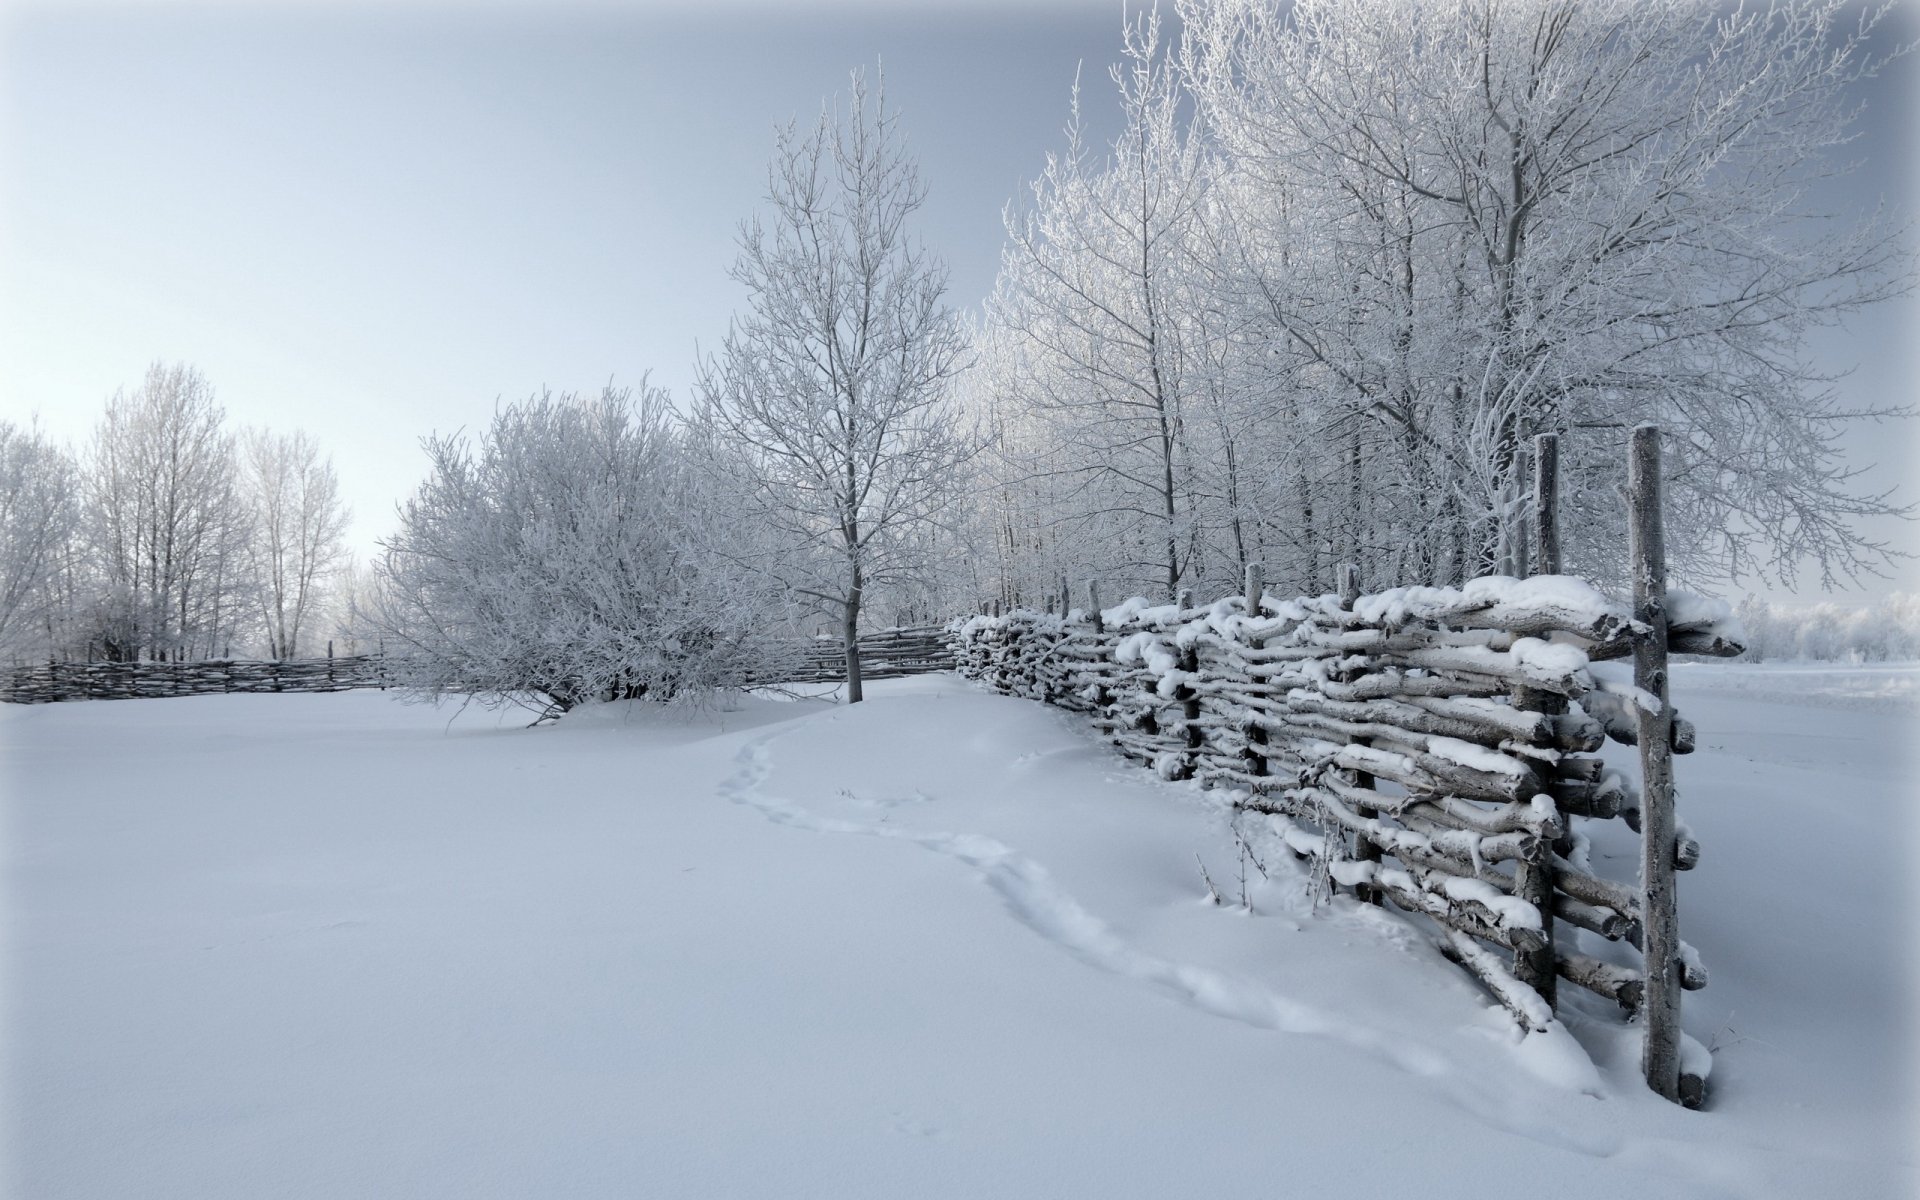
(1660, 925)
(1066, 595)
(1523, 535)
(1093, 605)
(1364, 850)
(1183, 599)
(1546, 504)
(1256, 735)
(1533, 875)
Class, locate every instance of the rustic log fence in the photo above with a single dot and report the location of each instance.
(1431, 747)
(884, 654)
(50, 682)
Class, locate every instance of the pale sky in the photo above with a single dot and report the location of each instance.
(371, 223)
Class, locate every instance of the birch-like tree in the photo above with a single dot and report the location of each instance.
(298, 523)
(39, 520)
(1096, 296)
(166, 523)
(1490, 220)
(831, 390)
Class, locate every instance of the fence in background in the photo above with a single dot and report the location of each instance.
(883, 654)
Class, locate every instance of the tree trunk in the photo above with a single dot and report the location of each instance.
(850, 636)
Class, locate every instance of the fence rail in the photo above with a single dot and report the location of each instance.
(884, 654)
(56, 681)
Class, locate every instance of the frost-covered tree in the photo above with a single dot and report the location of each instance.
(39, 519)
(831, 391)
(574, 551)
(298, 523)
(166, 525)
(1483, 221)
(1104, 335)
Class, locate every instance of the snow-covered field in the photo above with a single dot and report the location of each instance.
(939, 944)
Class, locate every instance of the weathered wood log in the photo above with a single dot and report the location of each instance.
(1487, 726)
(1605, 799)
(1394, 683)
(1546, 504)
(1533, 877)
(1660, 1054)
(1528, 1010)
(1622, 985)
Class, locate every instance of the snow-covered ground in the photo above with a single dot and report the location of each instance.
(939, 944)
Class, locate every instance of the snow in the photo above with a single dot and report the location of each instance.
(941, 944)
(1475, 757)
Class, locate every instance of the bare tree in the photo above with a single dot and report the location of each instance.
(1095, 283)
(832, 388)
(1489, 220)
(298, 522)
(39, 517)
(165, 520)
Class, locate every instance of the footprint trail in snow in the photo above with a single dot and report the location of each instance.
(1043, 906)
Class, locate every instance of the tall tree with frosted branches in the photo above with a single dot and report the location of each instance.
(1570, 216)
(167, 527)
(39, 517)
(831, 390)
(298, 524)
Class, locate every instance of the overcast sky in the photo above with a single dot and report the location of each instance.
(371, 224)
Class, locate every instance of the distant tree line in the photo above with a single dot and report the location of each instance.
(1887, 630)
(167, 537)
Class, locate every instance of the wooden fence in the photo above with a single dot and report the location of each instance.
(887, 653)
(54, 681)
(883, 654)
(1431, 747)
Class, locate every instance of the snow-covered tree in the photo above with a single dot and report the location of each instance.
(831, 390)
(298, 522)
(166, 524)
(1104, 334)
(576, 552)
(1483, 221)
(39, 519)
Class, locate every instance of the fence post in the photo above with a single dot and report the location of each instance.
(1523, 535)
(1255, 588)
(1533, 874)
(1189, 699)
(1546, 504)
(1347, 576)
(1660, 1002)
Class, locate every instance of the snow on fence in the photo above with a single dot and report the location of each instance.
(883, 654)
(1432, 747)
(54, 681)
